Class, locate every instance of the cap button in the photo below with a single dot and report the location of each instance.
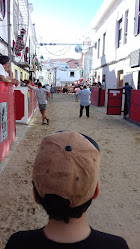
(68, 148)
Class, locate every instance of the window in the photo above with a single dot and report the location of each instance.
(126, 27)
(20, 75)
(137, 17)
(71, 74)
(98, 49)
(104, 43)
(119, 32)
(2, 9)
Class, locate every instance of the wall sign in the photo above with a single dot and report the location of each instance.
(3, 121)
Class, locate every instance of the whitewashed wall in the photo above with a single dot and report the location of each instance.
(115, 59)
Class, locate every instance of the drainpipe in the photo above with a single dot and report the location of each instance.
(9, 29)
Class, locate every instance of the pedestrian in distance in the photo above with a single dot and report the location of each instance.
(127, 89)
(84, 96)
(42, 96)
(99, 85)
(103, 86)
(31, 81)
(48, 88)
(52, 91)
(65, 181)
(77, 90)
(6, 74)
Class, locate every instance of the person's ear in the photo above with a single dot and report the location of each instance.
(96, 193)
(35, 198)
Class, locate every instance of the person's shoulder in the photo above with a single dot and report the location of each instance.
(44, 90)
(24, 239)
(108, 240)
(88, 90)
(35, 89)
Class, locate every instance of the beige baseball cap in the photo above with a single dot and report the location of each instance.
(67, 165)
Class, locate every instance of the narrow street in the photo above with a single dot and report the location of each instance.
(116, 210)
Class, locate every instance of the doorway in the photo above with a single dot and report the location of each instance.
(120, 78)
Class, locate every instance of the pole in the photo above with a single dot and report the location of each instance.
(55, 76)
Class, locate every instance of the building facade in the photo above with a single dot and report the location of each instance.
(17, 37)
(59, 72)
(116, 44)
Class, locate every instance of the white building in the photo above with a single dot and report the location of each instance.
(60, 71)
(17, 36)
(116, 43)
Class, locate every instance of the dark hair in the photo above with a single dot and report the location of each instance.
(4, 59)
(85, 86)
(59, 208)
(39, 84)
(126, 84)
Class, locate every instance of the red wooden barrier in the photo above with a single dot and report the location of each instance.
(97, 96)
(114, 104)
(19, 104)
(135, 106)
(7, 118)
(25, 104)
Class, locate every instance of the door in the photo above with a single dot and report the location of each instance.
(120, 78)
(114, 105)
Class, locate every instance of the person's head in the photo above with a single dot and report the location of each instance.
(5, 61)
(39, 85)
(65, 174)
(84, 86)
(126, 84)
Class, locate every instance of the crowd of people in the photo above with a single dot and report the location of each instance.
(45, 92)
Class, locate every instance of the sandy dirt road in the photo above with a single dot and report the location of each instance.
(116, 210)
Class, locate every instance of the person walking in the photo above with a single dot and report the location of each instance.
(84, 96)
(77, 90)
(42, 96)
(65, 181)
(127, 89)
(52, 92)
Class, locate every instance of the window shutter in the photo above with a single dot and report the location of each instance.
(136, 17)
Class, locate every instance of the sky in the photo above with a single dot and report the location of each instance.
(62, 21)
